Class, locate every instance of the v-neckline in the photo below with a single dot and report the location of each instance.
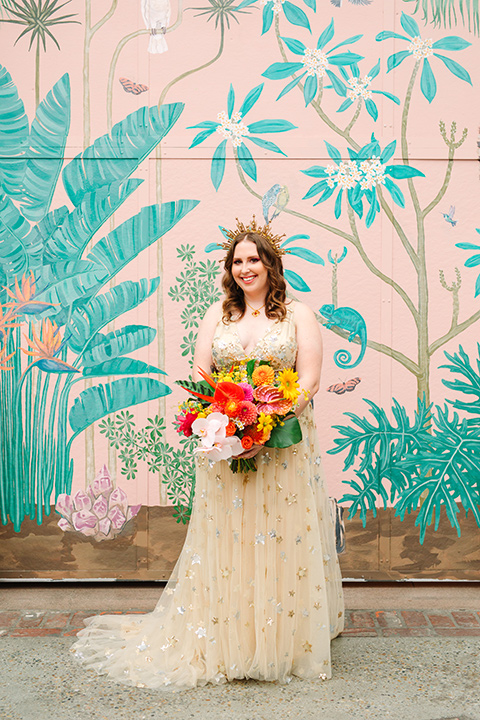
(262, 337)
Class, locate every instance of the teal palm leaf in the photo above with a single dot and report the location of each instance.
(48, 136)
(121, 366)
(13, 230)
(124, 243)
(448, 472)
(71, 237)
(14, 134)
(461, 365)
(70, 285)
(381, 438)
(368, 487)
(119, 342)
(39, 235)
(96, 402)
(102, 309)
(447, 13)
(130, 142)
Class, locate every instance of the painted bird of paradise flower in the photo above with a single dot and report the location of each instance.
(23, 298)
(4, 358)
(46, 349)
(6, 321)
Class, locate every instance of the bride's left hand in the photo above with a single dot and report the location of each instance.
(249, 453)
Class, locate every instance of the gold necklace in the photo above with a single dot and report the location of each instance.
(256, 311)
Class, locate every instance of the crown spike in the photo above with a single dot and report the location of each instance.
(262, 230)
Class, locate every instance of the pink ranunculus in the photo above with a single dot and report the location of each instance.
(100, 507)
(64, 525)
(102, 483)
(119, 498)
(248, 390)
(132, 511)
(117, 517)
(64, 505)
(81, 501)
(85, 522)
(184, 423)
(91, 494)
(104, 525)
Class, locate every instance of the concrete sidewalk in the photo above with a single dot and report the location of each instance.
(400, 661)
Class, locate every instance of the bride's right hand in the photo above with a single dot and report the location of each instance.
(249, 453)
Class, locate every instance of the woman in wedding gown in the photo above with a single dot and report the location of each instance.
(256, 591)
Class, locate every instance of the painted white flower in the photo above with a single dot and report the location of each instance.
(421, 48)
(359, 88)
(315, 62)
(232, 128)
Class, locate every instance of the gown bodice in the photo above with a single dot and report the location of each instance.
(278, 344)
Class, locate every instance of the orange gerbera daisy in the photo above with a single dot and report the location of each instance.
(263, 375)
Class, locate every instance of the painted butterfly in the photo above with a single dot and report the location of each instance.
(344, 387)
(132, 87)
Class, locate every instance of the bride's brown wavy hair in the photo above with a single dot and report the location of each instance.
(234, 302)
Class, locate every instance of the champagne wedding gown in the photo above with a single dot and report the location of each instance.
(256, 592)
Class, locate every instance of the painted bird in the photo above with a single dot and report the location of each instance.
(277, 197)
(448, 217)
(156, 15)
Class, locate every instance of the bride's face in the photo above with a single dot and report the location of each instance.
(248, 270)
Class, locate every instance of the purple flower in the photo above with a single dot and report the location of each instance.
(132, 511)
(64, 505)
(82, 501)
(100, 513)
(64, 524)
(85, 522)
(102, 483)
(117, 517)
(104, 526)
(119, 498)
(100, 507)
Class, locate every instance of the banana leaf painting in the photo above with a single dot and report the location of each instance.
(55, 302)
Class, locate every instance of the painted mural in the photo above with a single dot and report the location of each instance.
(352, 128)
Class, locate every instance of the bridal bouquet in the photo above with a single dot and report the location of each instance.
(250, 404)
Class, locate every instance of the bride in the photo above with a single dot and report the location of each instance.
(256, 592)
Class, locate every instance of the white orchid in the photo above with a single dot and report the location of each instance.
(214, 443)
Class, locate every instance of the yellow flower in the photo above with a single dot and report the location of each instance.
(263, 375)
(265, 423)
(289, 385)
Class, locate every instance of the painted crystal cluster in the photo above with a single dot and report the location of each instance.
(100, 513)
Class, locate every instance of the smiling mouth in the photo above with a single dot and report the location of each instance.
(248, 278)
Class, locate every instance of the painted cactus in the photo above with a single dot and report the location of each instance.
(100, 513)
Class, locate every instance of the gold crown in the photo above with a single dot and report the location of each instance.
(262, 230)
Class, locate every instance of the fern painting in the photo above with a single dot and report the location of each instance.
(350, 127)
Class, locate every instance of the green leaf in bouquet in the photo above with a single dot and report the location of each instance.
(286, 434)
(250, 367)
(201, 388)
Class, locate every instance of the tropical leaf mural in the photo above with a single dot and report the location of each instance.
(52, 307)
(448, 13)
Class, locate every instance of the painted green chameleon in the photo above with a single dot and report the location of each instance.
(348, 319)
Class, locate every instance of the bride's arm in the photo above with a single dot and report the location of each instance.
(310, 354)
(203, 347)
